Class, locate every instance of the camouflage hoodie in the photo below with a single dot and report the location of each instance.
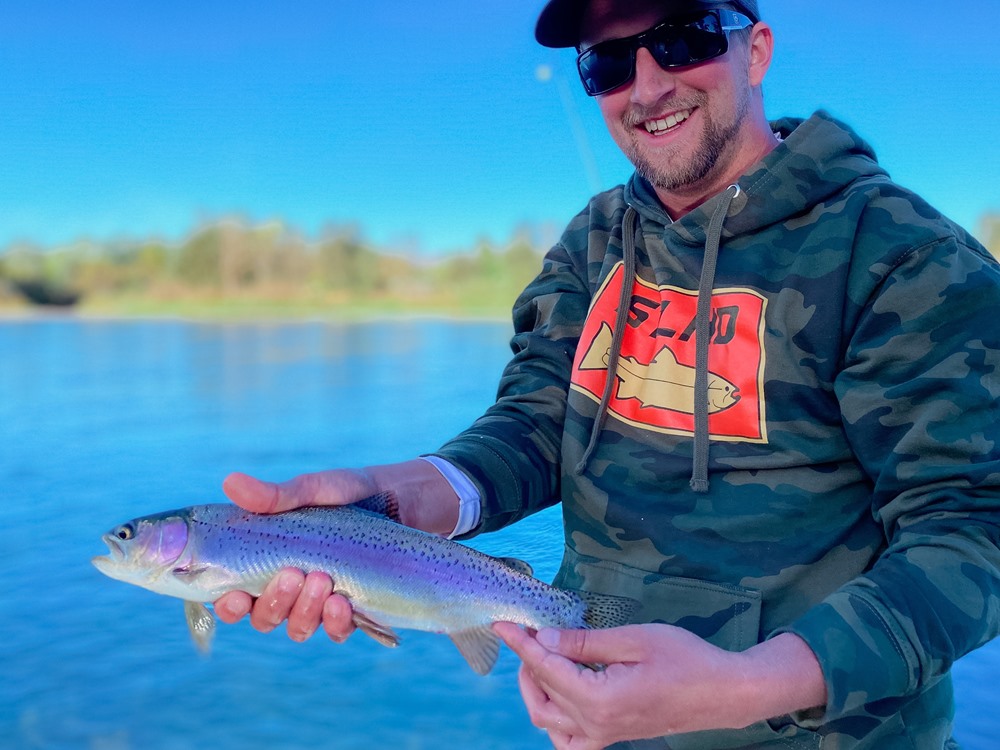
(847, 485)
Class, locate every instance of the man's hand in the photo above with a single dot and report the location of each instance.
(659, 680)
(426, 501)
(304, 601)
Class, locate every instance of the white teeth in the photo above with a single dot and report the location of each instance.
(668, 122)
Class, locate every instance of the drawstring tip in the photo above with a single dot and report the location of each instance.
(699, 485)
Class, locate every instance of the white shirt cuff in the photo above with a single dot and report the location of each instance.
(468, 496)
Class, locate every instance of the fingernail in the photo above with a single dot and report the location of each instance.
(548, 638)
(289, 584)
(234, 612)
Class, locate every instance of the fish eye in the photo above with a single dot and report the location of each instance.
(125, 532)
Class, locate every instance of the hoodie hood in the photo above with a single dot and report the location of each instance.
(817, 158)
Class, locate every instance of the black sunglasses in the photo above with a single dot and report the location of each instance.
(673, 43)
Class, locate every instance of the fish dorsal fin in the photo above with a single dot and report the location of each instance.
(381, 633)
(480, 646)
(605, 611)
(201, 623)
(519, 565)
(384, 503)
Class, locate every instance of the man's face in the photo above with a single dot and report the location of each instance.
(681, 127)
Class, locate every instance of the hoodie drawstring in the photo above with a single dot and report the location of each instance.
(621, 319)
(703, 322)
(702, 333)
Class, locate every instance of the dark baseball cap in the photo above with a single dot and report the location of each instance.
(559, 22)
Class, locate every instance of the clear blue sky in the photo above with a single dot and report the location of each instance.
(425, 124)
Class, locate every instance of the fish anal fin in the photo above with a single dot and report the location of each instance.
(480, 646)
(201, 624)
(375, 630)
(605, 611)
(519, 565)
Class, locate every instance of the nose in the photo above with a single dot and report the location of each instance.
(651, 81)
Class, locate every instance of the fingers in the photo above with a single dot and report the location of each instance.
(233, 607)
(305, 601)
(542, 711)
(556, 669)
(614, 645)
(338, 618)
(276, 601)
(307, 611)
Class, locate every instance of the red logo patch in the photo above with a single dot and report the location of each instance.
(655, 378)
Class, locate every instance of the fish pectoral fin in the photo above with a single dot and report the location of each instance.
(381, 633)
(201, 623)
(480, 646)
(519, 565)
(605, 611)
(188, 573)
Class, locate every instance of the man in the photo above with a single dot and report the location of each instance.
(762, 380)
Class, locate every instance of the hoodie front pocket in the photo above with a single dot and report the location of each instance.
(725, 615)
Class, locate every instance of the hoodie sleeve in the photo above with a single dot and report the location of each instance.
(512, 453)
(920, 399)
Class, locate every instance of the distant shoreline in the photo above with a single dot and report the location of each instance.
(334, 316)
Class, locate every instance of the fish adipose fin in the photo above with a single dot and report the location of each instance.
(519, 565)
(384, 503)
(480, 647)
(381, 633)
(605, 611)
(201, 623)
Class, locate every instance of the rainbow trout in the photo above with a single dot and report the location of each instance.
(394, 576)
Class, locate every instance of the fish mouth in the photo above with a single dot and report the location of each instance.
(115, 554)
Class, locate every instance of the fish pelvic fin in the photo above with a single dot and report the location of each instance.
(606, 611)
(480, 646)
(201, 624)
(376, 630)
(519, 565)
(384, 503)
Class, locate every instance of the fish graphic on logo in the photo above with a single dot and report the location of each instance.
(663, 383)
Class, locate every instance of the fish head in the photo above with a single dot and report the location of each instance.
(141, 550)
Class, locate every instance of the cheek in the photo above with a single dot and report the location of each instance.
(164, 542)
(613, 108)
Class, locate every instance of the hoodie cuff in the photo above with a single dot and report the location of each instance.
(864, 655)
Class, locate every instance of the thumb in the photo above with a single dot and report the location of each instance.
(334, 487)
(253, 494)
(610, 646)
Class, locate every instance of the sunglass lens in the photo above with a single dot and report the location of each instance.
(605, 67)
(694, 42)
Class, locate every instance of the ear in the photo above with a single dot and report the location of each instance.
(761, 50)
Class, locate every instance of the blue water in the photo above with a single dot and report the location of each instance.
(104, 420)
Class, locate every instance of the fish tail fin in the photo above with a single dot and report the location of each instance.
(606, 611)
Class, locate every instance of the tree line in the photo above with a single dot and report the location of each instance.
(232, 263)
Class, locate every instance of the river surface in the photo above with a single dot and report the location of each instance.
(102, 421)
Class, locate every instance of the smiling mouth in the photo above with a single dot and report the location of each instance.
(668, 123)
